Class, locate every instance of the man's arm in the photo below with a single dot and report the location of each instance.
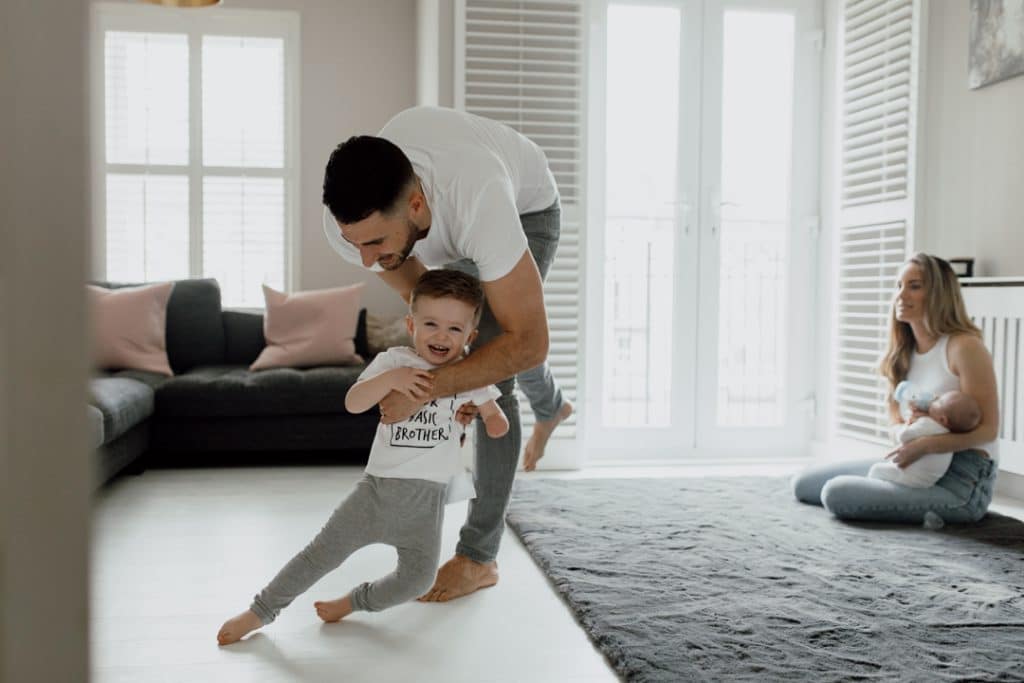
(404, 278)
(517, 302)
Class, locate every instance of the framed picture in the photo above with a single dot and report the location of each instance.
(996, 42)
(963, 267)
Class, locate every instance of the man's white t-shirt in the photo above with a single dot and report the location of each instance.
(426, 446)
(478, 176)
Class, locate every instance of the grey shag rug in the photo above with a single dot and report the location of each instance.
(731, 578)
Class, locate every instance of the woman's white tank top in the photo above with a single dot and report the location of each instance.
(930, 371)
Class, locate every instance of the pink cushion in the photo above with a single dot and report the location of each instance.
(310, 328)
(129, 327)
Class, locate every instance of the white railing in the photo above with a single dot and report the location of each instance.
(997, 307)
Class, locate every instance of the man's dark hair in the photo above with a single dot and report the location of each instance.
(450, 284)
(365, 174)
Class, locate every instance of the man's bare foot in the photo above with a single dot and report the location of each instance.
(236, 628)
(461, 576)
(333, 610)
(534, 450)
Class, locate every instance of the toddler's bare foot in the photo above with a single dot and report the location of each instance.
(333, 610)
(236, 628)
(534, 450)
(461, 576)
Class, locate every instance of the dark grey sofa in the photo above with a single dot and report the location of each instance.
(213, 404)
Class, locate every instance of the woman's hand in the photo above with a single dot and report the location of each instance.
(907, 453)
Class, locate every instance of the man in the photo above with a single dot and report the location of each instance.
(446, 188)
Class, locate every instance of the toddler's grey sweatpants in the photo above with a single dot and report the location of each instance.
(404, 513)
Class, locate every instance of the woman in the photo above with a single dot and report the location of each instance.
(933, 342)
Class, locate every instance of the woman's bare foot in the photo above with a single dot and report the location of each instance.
(333, 610)
(236, 628)
(534, 450)
(461, 576)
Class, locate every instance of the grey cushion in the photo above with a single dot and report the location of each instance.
(194, 332)
(124, 403)
(243, 337)
(150, 379)
(231, 391)
(95, 418)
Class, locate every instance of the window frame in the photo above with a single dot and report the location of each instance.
(283, 24)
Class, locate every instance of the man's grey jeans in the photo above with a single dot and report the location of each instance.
(496, 459)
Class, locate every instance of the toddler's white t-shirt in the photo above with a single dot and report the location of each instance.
(425, 446)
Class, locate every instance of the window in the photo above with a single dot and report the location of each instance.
(196, 155)
(703, 183)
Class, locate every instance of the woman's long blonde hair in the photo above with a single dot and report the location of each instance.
(944, 313)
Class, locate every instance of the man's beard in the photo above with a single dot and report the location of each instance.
(395, 261)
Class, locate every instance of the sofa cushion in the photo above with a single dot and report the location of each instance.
(195, 334)
(124, 403)
(310, 329)
(231, 391)
(129, 326)
(243, 337)
(244, 340)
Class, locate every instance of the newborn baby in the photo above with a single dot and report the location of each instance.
(953, 411)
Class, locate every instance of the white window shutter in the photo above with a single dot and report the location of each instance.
(876, 202)
(146, 97)
(520, 62)
(243, 101)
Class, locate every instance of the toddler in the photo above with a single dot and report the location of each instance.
(413, 470)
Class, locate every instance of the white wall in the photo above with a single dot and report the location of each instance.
(358, 70)
(973, 145)
(46, 467)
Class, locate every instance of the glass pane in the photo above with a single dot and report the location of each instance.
(243, 236)
(757, 123)
(147, 228)
(243, 101)
(642, 128)
(638, 323)
(146, 98)
(642, 110)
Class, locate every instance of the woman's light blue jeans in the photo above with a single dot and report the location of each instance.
(843, 488)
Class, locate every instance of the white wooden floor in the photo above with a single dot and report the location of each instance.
(176, 552)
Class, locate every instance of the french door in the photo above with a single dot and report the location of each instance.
(703, 170)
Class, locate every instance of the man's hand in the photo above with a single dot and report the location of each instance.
(396, 407)
(412, 382)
